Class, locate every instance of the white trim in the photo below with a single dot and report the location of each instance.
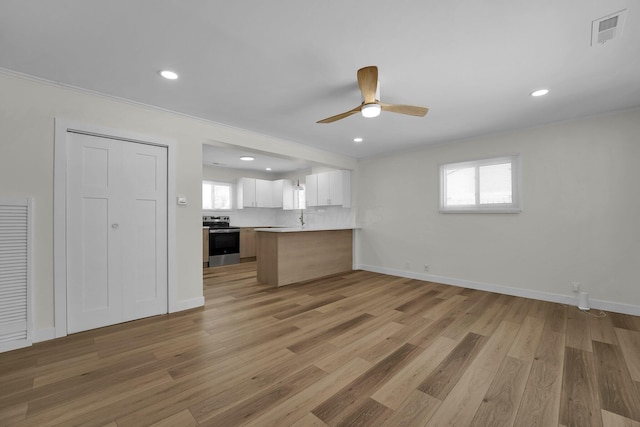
(62, 126)
(44, 334)
(14, 345)
(187, 304)
(489, 287)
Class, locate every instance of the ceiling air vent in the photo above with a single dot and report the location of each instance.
(607, 28)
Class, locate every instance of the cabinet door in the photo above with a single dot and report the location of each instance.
(246, 193)
(311, 182)
(288, 194)
(205, 245)
(324, 188)
(277, 193)
(335, 188)
(264, 194)
(247, 242)
(340, 188)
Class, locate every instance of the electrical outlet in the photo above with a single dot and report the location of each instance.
(575, 286)
(426, 267)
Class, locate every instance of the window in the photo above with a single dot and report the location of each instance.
(216, 195)
(490, 185)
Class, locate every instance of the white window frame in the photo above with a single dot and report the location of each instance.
(516, 195)
(231, 195)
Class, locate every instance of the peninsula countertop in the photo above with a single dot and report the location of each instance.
(302, 229)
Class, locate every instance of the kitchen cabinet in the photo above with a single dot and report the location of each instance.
(276, 193)
(261, 193)
(288, 195)
(254, 193)
(287, 256)
(247, 242)
(329, 189)
(205, 246)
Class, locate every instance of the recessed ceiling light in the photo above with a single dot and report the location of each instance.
(267, 169)
(540, 92)
(169, 75)
(358, 139)
(247, 158)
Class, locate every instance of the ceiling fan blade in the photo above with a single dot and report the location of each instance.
(341, 115)
(410, 110)
(368, 82)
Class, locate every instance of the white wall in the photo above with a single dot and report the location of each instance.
(580, 221)
(28, 108)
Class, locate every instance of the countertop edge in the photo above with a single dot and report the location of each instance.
(300, 230)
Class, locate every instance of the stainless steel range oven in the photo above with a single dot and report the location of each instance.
(224, 241)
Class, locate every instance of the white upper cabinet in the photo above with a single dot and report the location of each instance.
(254, 193)
(264, 194)
(311, 182)
(260, 193)
(246, 193)
(284, 187)
(329, 189)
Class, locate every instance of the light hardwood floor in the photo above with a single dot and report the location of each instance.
(354, 349)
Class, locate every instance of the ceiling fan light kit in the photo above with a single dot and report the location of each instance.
(371, 106)
(370, 110)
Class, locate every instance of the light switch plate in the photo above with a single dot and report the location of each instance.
(182, 200)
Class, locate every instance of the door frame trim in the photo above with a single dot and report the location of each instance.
(62, 127)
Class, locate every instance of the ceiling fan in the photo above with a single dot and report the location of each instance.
(371, 106)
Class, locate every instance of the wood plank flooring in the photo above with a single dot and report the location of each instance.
(356, 349)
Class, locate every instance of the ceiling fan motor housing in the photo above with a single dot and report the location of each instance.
(370, 110)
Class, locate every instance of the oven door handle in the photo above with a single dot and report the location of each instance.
(222, 230)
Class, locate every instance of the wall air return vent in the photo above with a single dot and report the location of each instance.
(607, 28)
(15, 276)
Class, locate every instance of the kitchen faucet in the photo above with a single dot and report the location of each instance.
(301, 218)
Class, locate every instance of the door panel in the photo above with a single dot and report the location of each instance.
(94, 298)
(116, 231)
(95, 265)
(145, 278)
(145, 267)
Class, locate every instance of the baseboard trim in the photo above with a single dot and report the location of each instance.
(500, 289)
(187, 304)
(44, 334)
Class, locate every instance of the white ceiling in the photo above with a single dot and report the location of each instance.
(226, 156)
(277, 67)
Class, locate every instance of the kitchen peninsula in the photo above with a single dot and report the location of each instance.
(291, 255)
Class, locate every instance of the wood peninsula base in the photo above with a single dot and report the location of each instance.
(286, 256)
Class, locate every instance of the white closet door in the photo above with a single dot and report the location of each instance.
(145, 232)
(116, 265)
